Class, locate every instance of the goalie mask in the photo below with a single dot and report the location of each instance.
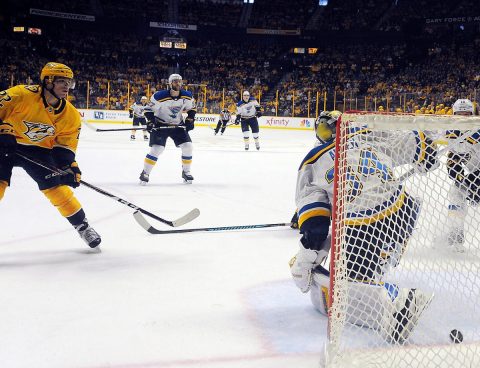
(326, 125)
(463, 106)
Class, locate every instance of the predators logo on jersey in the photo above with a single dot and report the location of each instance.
(38, 131)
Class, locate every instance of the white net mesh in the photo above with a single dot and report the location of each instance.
(405, 255)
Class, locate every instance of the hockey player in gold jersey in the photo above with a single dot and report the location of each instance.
(38, 122)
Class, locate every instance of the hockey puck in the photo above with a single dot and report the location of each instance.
(456, 336)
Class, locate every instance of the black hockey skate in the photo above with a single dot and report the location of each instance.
(132, 137)
(246, 147)
(144, 177)
(257, 146)
(145, 137)
(88, 234)
(187, 177)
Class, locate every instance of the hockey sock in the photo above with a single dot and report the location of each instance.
(255, 138)
(3, 187)
(63, 199)
(187, 151)
(152, 157)
(246, 139)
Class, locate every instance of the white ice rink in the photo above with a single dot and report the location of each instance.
(183, 300)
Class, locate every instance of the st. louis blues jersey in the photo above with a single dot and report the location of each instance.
(248, 109)
(371, 191)
(138, 110)
(467, 151)
(169, 109)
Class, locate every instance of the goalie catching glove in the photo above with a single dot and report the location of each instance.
(428, 156)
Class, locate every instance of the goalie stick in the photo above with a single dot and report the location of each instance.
(193, 214)
(144, 223)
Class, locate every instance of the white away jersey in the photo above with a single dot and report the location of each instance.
(468, 148)
(169, 109)
(247, 109)
(371, 191)
(138, 110)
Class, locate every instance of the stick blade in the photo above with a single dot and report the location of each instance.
(192, 215)
(142, 221)
(137, 215)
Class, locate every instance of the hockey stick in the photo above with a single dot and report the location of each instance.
(143, 223)
(123, 129)
(193, 214)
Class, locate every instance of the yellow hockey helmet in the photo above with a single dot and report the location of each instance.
(52, 69)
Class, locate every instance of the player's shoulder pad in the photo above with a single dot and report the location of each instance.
(161, 95)
(185, 94)
(240, 103)
(315, 153)
(252, 99)
(34, 88)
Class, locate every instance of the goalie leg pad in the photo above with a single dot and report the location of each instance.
(402, 313)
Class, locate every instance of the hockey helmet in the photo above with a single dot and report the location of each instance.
(144, 98)
(463, 106)
(174, 77)
(52, 70)
(326, 125)
(245, 95)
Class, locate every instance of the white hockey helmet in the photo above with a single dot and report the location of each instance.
(174, 77)
(144, 98)
(463, 106)
(326, 125)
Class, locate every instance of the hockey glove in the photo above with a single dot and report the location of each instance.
(430, 160)
(8, 146)
(130, 114)
(472, 185)
(238, 120)
(189, 123)
(455, 167)
(258, 112)
(74, 175)
(315, 231)
(294, 221)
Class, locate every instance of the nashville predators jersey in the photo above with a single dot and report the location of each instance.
(169, 109)
(25, 113)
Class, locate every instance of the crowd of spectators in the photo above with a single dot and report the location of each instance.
(384, 75)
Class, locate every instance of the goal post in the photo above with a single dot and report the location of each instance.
(400, 282)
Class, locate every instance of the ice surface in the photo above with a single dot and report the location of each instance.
(183, 300)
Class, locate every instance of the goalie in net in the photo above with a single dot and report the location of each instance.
(380, 219)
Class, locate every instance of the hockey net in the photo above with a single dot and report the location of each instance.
(401, 281)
